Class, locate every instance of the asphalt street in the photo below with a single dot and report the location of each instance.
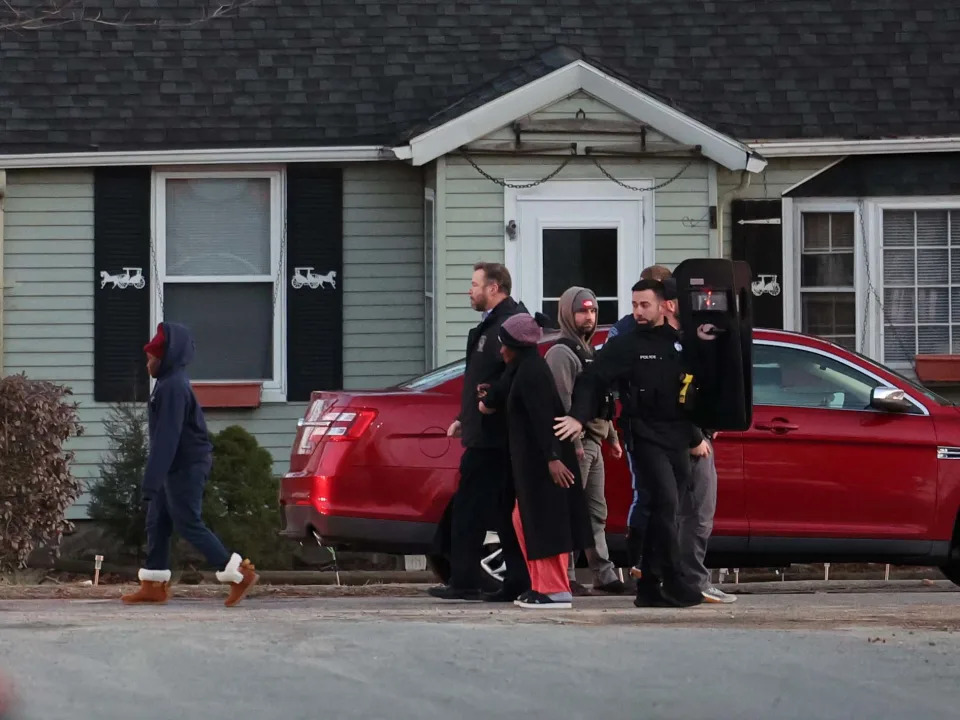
(810, 656)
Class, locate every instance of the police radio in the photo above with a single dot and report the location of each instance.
(715, 313)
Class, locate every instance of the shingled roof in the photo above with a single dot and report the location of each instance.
(359, 72)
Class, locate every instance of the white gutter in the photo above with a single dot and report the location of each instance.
(799, 148)
(357, 153)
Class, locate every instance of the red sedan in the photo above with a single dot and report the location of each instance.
(846, 461)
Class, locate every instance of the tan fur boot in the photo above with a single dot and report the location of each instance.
(154, 588)
(240, 575)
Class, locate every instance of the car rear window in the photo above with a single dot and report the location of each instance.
(432, 379)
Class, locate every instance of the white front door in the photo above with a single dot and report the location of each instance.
(596, 242)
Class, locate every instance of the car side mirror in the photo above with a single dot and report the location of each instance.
(890, 400)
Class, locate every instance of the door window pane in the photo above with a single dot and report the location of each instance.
(232, 325)
(217, 226)
(796, 378)
(585, 257)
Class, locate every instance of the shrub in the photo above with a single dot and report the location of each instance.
(240, 503)
(36, 482)
(115, 497)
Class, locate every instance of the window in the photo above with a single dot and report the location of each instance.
(921, 284)
(218, 255)
(792, 377)
(828, 300)
(585, 257)
(429, 278)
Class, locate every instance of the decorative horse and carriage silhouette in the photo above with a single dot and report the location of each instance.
(302, 276)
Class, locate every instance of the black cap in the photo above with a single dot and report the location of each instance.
(669, 289)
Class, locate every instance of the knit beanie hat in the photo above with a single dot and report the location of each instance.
(584, 300)
(519, 331)
(669, 289)
(155, 346)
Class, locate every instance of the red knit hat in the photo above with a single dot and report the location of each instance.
(155, 346)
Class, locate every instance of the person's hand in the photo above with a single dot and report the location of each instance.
(485, 410)
(482, 390)
(561, 474)
(616, 450)
(454, 429)
(567, 427)
(702, 450)
(706, 331)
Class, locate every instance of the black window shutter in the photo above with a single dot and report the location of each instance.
(314, 306)
(757, 238)
(121, 305)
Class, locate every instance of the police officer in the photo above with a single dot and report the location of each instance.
(661, 438)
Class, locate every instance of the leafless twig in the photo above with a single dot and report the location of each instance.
(68, 12)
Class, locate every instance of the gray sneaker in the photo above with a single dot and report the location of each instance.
(716, 595)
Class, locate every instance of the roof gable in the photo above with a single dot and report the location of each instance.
(554, 86)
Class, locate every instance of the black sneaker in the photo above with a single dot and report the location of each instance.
(649, 594)
(611, 588)
(447, 592)
(501, 596)
(578, 590)
(538, 601)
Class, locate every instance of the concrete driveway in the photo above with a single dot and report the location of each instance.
(808, 656)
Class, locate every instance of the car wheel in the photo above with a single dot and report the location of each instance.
(492, 565)
(952, 571)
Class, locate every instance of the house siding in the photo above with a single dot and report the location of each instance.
(48, 302)
(473, 221)
(578, 105)
(779, 175)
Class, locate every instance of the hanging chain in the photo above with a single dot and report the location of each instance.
(280, 274)
(516, 186)
(156, 274)
(640, 189)
(872, 291)
(567, 161)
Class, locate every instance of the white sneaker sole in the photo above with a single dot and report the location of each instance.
(548, 606)
(718, 601)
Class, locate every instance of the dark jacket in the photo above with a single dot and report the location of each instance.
(649, 361)
(624, 325)
(555, 520)
(484, 366)
(178, 431)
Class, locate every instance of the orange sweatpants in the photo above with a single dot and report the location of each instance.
(549, 575)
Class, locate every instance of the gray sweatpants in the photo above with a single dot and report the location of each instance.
(695, 519)
(591, 471)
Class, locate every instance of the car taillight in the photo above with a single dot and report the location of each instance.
(334, 426)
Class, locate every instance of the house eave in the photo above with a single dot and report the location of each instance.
(565, 81)
(225, 156)
(813, 148)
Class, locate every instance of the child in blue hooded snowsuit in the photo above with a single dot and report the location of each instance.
(176, 474)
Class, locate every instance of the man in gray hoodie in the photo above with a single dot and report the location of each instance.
(577, 313)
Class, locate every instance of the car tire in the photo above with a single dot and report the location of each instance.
(952, 571)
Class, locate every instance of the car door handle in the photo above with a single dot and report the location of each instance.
(776, 425)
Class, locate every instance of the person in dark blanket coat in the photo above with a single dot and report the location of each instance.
(177, 470)
(550, 517)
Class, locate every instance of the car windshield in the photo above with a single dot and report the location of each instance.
(436, 377)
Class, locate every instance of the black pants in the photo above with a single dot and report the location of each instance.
(665, 475)
(484, 501)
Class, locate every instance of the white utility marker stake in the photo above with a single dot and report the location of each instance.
(886, 572)
(826, 571)
(97, 564)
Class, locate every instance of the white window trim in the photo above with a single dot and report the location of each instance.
(430, 196)
(273, 390)
(869, 249)
(582, 190)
